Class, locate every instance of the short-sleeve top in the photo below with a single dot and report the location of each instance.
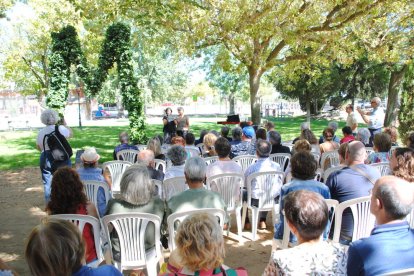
(182, 122)
(47, 130)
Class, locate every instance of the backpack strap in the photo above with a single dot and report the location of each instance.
(363, 173)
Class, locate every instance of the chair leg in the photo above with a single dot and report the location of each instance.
(238, 221)
(243, 221)
(255, 218)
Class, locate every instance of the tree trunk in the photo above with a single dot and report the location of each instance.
(254, 82)
(396, 79)
(308, 110)
(231, 103)
(88, 111)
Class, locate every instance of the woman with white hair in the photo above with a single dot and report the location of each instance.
(177, 155)
(363, 136)
(50, 118)
(136, 196)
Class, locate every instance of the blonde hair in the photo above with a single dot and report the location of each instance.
(200, 242)
(209, 140)
(154, 145)
(302, 145)
(55, 247)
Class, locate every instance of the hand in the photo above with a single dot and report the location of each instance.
(359, 110)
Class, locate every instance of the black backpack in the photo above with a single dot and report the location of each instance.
(60, 150)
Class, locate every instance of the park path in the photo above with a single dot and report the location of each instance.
(21, 203)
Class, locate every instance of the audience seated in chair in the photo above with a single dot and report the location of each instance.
(246, 146)
(202, 134)
(382, 146)
(236, 134)
(224, 164)
(391, 244)
(351, 182)
(196, 197)
(402, 163)
(269, 126)
(275, 139)
(261, 133)
(189, 144)
(263, 164)
(68, 197)
(178, 140)
(334, 126)
(136, 196)
(224, 132)
(308, 135)
(393, 133)
(303, 172)
(363, 136)
(91, 171)
(154, 145)
(307, 215)
(146, 157)
(177, 155)
(55, 247)
(329, 144)
(200, 249)
(124, 140)
(348, 136)
(208, 141)
(303, 126)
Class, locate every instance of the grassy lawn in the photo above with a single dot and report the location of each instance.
(18, 149)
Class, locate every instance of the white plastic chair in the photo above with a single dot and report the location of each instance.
(129, 155)
(267, 183)
(383, 168)
(403, 272)
(330, 158)
(332, 205)
(193, 152)
(175, 219)
(141, 147)
(91, 188)
(228, 185)
(157, 187)
(160, 164)
(173, 186)
(200, 146)
(116, 169)
(80, 221)
(410, 219)
(318, 175)
(245, 161)
(328, 172)
(364, 221)
(288, 144)
(281, 158)
(130, 228)
(210, 160)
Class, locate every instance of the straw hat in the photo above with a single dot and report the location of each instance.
(90, 155)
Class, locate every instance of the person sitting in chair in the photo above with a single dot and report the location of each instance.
(124, 140)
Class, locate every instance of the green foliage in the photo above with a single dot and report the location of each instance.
(406, 114)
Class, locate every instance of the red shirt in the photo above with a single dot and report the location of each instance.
(347, 139)
(88, 237)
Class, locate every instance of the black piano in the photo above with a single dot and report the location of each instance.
(231, 120)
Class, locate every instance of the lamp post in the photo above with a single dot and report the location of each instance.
(79, 106)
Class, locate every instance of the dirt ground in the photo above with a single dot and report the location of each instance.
(21, 203)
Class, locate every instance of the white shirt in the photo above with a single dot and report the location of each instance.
(47, 130)
(220, 167)
(376, 118)
(174, 171)
(351, 120)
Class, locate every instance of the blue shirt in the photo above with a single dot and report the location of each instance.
(389, 248)
(243, 148)
(347, 184)
(297, 184)
(104, 270)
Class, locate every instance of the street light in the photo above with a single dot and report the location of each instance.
(79, 105)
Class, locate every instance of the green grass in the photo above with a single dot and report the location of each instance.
(18, 149)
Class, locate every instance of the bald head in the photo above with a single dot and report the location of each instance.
(356, 152)
(146, 157)
(396, 196)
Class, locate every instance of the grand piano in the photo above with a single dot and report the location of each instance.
(231, 120)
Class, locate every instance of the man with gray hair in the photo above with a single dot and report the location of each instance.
(391, 245)
(263, 164)
(355, 180)
(177, 156)
(146, 157)
(196, 197)
(375, 118)
(276, 140)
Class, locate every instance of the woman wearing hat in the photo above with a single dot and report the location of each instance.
(91, 171)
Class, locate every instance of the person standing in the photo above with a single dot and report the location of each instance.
(169, 125)
(50, 118)
(374, 118)
(182, 122)
(351, 119)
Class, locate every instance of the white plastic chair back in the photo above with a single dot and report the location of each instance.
(327, 172)
(383, 168)
(175, 219)
(318, 175)
(116, 170)
(364, 221)
(288, 144)
(210, 160)
(157, 188)
(317, 157)
(329, 159)
(281, 158)
(91, 188)
(403, 272)
(410, 219)
(141, 147)
(130, 228)
(369, 150)
(80, 221)
(267, 184)
(160, 165)
(173, 186)
(200, 146)
(332, 205)
(129, 155)
(228, 185)
(245, 161)
(193, 152)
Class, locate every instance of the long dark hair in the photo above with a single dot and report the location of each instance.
(67, 192)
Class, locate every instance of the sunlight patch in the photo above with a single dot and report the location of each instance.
(36, 211)
(8, 257)
(5, 236)
(34, 189)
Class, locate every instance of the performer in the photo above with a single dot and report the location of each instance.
(182, 122)
(169, 125)
(374, 119)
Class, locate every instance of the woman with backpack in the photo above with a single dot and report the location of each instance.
(48, 163)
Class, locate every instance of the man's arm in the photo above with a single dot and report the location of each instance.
(355, 265)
